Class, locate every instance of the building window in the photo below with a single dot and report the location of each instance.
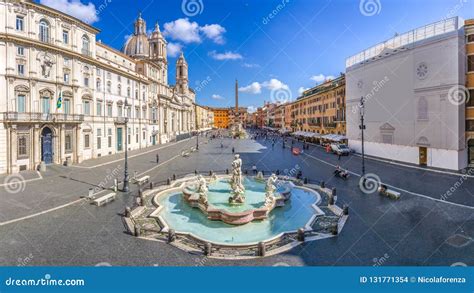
(20, 51)
(109, 87)
(470, 63)
(422, 109)
(67, 62)
(67, 143)
(109, 138)
(98, 85)
(87, 141)
(65, 37)
(45, 105)
(20, 23)
(99, 109)
(109, 110)
(86, 81)
(86, 108)
(119, 90)
(44, 31)
(67, 106)
(470, 38)
(85, 45)
(66, 78)
(21, 69)
(21, 107)
(22, 146)
(470, 102)
(119, 111)
(469, 125)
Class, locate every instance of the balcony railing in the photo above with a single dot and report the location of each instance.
(86, 52)
(41, 117)
(45, 39)
(330, 125)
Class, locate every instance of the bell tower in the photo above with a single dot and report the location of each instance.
(157, 45)
(182, 81)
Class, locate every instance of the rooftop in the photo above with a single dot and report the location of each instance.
(401, 41)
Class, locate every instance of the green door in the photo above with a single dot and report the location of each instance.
(119, 140)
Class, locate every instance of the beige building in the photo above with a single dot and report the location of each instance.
(204, 118)
(66, 97)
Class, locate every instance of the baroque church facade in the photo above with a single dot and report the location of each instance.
(66, 98)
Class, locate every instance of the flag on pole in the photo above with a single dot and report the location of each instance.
(59, 103)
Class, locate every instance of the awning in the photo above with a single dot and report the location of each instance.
(334, 137)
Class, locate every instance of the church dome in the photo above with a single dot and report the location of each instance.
(137, 45)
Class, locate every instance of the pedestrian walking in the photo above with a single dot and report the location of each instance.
(233, 150)
(157, 158)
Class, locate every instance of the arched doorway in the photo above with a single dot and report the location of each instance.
(47, 145)
(470, 151)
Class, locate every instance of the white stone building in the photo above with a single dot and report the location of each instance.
(65, 97)
(409, 85)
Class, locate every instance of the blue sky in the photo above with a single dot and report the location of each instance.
(274, 48)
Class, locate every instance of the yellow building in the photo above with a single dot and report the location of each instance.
(469, 28)
(221, 117)
(321, 109)
(204, 118)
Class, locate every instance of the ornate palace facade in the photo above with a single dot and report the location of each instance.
(66, 97)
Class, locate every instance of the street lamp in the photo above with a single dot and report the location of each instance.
(126, 187)
(362, 128)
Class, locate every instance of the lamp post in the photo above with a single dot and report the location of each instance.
(362, 128)
(126, 187)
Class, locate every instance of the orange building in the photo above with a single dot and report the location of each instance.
(221, 117)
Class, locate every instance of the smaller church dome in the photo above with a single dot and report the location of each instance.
(137, 45)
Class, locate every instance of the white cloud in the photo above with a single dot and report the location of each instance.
(85, 12)
(251, 109)
(217, 97)
(272, 85)
(321, 78)
(225, 56)
(301, 90)
(187, 31)
(174, 49)
(214, 32)
(254, 88)
(182, 30)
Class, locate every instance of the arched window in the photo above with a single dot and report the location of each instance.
(109, 87)
(422, 109)
(119, 90)
(85, 45)
(98, 85)
(44, 31)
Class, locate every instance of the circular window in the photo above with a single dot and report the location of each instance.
(422, 70)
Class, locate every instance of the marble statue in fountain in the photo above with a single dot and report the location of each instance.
(270, 190)
(202, 190)
(238, 189)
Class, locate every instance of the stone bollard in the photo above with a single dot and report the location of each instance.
(335, 229)
(142, 201)
(345, 210)
(301, 235)
(323, 184)
(207, 249)
(151, 185)
(333, 192)
(115, 184)
(168, 181)
(210, 173)
(305, 181)
(331, 200)
(140, 192)
(195, 172)
(91, 193)
(171, 236)
(135, 174)
(174, 177)
(262, 250)
(227, 171)
(128, 212)
(138, 230)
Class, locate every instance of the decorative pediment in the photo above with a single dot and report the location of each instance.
(387, 127)
(67, 93)
(87, 96)
(22, 88)
(46, 93)
(423, 141)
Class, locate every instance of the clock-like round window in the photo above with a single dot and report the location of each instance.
(422, 70)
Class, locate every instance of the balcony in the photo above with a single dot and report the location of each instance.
(45, 39)
(86, 52)
(120, 120)
(40, 117)
(330, 125)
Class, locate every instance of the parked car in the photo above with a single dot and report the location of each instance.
(340, 149)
